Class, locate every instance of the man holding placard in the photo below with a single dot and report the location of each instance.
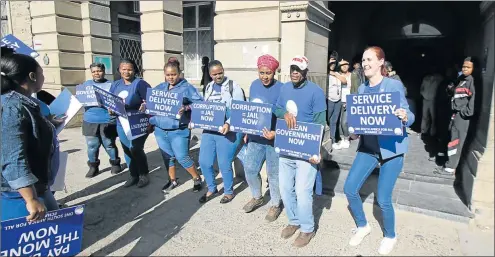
(300, 101)
(99, 128)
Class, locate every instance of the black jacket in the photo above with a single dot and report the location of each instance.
(463, 96)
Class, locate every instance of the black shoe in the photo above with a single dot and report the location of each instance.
(131, 181)
(226, 199)
(143, 181)
(116, 168)
(197, 184)
(171, 184)
(93, 169)
(204, 198)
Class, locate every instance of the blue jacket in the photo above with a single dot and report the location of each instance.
(190, 94)
(391, 146)
(27, 143)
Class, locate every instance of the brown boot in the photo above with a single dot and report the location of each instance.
(288, 231)
(303, 239)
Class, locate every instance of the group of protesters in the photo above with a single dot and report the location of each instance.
(30, 145)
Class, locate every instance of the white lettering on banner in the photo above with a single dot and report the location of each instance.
(300, 132)
(166, 94)
(369, 120)
(41, 233)
(251, 108)
(163, 101)
(372, 99)
(208, 107)
(373, 109)
(11, 44)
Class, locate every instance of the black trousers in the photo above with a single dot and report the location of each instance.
(428, 119)
(458, 132)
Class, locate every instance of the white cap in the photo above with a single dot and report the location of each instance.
(300, 61)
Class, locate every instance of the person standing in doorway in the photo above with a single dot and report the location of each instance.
(387, 152)
(99, 128)
(462, 105)
(334, 101)
(220, 145)
(133, 90)
(429, 88)
(300, 100)
(346, 89)
(358, 77)
(266, 90)
(205, 78)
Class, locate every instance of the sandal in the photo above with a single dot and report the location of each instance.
(227, 199)
(205, 198)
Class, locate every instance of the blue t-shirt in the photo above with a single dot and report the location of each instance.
(95, 114)
(259, 93)
(216, 93)
(133, 94)
(303, 102)
(369, 143)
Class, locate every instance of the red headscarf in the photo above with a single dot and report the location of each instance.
(268, 61)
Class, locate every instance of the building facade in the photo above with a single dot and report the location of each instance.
(70, 35)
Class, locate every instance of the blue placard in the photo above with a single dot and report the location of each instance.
(19, 47)
(110, 101)
(61, 104)
(86, 93)
(138, 123)
(58, 234)
(250, 118)
(208, 115)
(302, 142)
(163, 103)
(373, 114)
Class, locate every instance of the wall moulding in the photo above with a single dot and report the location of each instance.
(306, 10)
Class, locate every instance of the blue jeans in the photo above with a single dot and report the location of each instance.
(134, 154)
(333, 117)
(361, 168)
(215, 146)
(174, 145)
(255, 156)
(297, 180)
(14, 206)
(94, 142)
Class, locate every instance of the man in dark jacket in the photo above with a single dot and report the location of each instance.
(462, 105)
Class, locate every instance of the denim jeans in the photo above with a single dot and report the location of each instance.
(94, 142)
(333, 117)
(174, 145)
(297, 180)
(13, 205)
(255, 156)
(215, 146)
(361, 168)
(134, 154)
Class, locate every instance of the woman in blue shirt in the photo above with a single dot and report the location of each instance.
(173, 135)
(99, 128)
(27, 140)
(265, 89)
(220, 145)
(387, 152)
(133, 91)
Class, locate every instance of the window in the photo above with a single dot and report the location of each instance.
(419, 30)
(197, 37)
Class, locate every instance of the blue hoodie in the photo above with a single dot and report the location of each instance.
(95, 114)
(190, 94)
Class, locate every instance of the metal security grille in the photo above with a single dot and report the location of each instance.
(130, 47)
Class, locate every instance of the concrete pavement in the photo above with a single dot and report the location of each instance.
(144, 222)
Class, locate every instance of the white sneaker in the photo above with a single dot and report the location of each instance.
(345, 144)
(336, 146)
(387, 245)
(359, 234)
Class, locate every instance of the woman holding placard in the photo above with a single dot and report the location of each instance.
(265, 89)
(27, 141)
(387, 152)
(220, 145)
(173, 135)
(133, 91)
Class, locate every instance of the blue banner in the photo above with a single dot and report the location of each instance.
(374, 114)
(208, 115)
(163, 103)
(58, 234)
(110, 101)
(138, 123)
(86, 93)
(250, 118)
(19, 47)
(302, 142)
